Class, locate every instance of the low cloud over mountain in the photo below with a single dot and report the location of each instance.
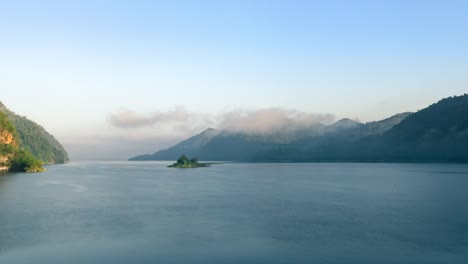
(261, 120)
(265, 120)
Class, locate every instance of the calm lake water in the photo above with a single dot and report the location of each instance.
(143, 212)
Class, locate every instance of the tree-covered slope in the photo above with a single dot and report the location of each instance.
(35, 139)
(12, 157)
(340, 143)
(382, 126)
(8, 141)
(288, 144)
(190, 146)
(314, 143)
(438, 133)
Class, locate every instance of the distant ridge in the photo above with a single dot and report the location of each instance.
(438, 133)
(189, 147)
(344, 124)
(213, 144)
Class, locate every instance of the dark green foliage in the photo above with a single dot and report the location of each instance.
(36, 139)
(6, 149)
(184, 162)
(17, 160)
(41, 144)
(23, 161)
(6, 128)
(436, 133)
(6, 124)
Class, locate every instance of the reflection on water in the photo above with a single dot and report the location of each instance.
(130, 212)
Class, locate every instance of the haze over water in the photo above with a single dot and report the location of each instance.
(124, 212)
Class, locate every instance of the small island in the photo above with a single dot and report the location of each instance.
(186, 163)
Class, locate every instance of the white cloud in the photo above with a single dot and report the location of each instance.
(130, 119)
(270, 119)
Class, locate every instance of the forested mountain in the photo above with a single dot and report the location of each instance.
(8, 141)
(438, 133)
(280, 145)
(36, 139)
(350, 143)
(343, 124)
(190, 147)
(12, 157)
(380, 127)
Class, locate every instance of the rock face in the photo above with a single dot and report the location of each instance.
(6, 137)
(8, 144)
(3, 161)
(12, 157)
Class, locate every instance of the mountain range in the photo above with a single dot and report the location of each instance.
(438, 133)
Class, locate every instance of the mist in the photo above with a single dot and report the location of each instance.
(130, 133)
(256, 121)
(271, 119)
(126, 118)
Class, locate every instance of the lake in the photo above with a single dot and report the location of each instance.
(143, 212)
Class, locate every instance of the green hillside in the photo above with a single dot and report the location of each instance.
(36, 140)
(12, 157)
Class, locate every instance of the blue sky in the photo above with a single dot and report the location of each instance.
(72, 66)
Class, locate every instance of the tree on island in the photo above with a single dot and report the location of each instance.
(184, 162)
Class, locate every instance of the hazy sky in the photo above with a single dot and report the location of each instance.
(111, 79)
